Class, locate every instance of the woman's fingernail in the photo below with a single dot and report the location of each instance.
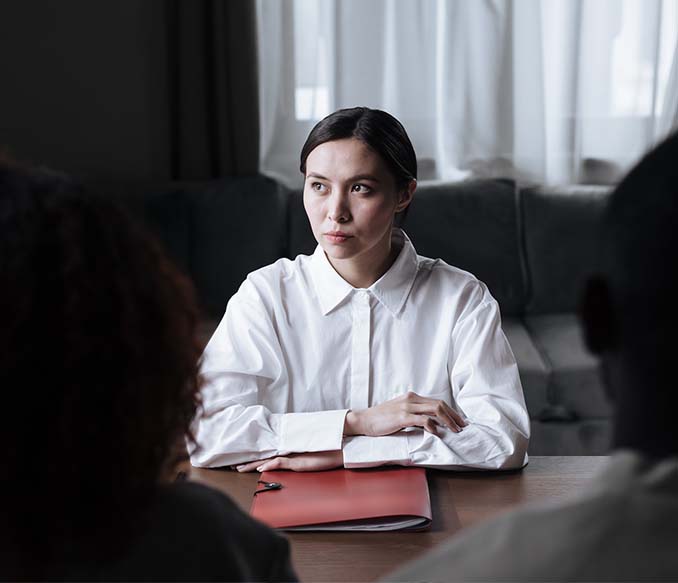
(260, 469)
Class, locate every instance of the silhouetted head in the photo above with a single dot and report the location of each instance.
(98, 366)
(630, 308)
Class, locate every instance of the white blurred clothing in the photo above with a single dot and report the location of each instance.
(621, 528)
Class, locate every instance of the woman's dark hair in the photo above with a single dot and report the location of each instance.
(379, 130)
(98, 369)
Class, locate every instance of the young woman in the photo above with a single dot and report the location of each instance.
(98, 367)
(364, 353)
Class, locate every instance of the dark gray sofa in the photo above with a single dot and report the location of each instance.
(533, 248)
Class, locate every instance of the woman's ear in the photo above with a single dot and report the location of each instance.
(405, 196)
(596, 315)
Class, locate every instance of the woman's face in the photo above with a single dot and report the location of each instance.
(351, 200)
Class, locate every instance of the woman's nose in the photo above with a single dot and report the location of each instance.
(338, 209)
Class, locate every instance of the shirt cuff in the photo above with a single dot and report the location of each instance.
(317, 431)
(361, 451)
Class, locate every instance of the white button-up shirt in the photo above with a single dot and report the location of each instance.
(299, 346)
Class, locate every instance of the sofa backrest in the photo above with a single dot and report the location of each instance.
(220, 231)
(300, 239)
(560, 228)
(473, 225)
(238, 225)
(168, 213)
(532, 248)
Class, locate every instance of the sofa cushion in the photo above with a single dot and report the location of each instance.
(534, 372)
(300, 239)
(560, 226)
(473, 225)
(162, 206)
(575, 383)
(168, 214)
(237, 225)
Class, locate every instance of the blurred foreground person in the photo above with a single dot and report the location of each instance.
(98, 372)
(623, 527)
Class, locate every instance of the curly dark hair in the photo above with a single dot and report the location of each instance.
(98, 369)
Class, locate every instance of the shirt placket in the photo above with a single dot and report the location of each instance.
(360, 351)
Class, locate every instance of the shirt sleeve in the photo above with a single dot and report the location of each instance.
(243, 371)
(486, 390)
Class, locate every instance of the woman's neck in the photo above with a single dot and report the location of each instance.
(362, 271)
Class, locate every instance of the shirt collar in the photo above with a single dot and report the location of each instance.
(391, 289)
(330, 287)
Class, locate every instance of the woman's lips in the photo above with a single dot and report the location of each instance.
(337, 237)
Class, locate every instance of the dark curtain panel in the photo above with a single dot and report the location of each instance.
(214, 106)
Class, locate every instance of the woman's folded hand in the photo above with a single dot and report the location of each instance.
(408, 410)
(297, 462)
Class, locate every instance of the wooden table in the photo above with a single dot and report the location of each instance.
(457, 500)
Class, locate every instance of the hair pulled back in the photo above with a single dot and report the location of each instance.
(379, 130)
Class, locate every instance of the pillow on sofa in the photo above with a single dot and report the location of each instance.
(237, 225)
(560, 226)
(473, 225)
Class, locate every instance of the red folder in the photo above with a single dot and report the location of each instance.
(365, 500)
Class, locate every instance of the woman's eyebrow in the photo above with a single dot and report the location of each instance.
(369, 177)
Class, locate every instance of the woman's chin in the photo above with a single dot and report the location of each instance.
(338, 251)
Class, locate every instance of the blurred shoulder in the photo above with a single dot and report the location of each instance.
(216, 512)
(228, 542)
(543, 541)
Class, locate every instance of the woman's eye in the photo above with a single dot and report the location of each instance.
(318, 186)
(361, 188)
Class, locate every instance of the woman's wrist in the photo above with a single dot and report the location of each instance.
(351, 423)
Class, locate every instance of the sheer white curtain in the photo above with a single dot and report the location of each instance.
(544, 90)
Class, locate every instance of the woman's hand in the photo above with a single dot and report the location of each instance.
(408, 410)
(297, 462)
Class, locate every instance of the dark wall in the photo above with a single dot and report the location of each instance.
(83, 86)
